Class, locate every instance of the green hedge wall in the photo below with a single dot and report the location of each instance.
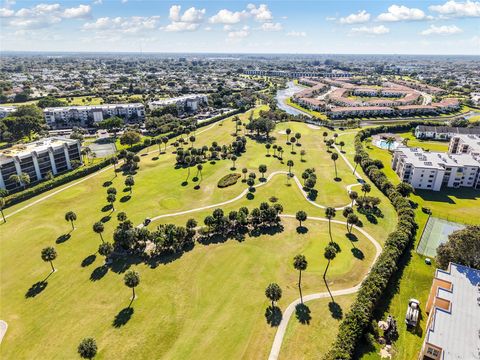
(360, 315)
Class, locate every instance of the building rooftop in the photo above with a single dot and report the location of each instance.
(457, 330)
(176, 99)
(448, 129)
(434, 160)
(23, 150)
(93, 107)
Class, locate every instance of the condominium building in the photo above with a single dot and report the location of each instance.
(453, 308)
(443, 132)
(37, 159)
(183, 103)
(297, 74)
(432, 170)
(465, 144)
(355, 111)
(6, 110)
(68, 116)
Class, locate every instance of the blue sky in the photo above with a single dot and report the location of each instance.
(377, 27)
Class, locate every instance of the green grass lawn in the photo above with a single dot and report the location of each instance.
(431, 145)
(311, 339)
(211, 300)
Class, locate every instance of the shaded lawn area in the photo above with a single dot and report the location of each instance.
(431, 145)
(313, 328)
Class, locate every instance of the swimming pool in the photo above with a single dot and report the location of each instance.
(382, 144)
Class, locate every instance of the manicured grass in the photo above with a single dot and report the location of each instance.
(211, 300)
(79, 100)
(311, 339)
(431, 145)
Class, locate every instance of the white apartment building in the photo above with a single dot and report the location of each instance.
(183, 103)
(37, 159)
(443, 132)
(6, 110)
(433, 170)
(465, 144)
(68, 116)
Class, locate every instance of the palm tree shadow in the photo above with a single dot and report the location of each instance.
(62, 238)
(273, 315)
(37, 288)
(302, 229)
(357, 253)
(88, 260)
(123, 317)
(98, 273)
(335, 310)
(302, 312)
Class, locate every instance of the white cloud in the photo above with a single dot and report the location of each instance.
(261, 13)
(4, 13)
(402, 13)
(442, 30)
(77, 12)
(458, 9)
(330, 18)
(225, 16)
(297, 33)
(268, 26)
(227, 27)
(360, 17)
(239, 34)
(126, 25)
(188, 21)
(97, 2)
(373, 30)
(123, 1)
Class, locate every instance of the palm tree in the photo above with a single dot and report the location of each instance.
(262, 169)
(342, 144)
(390, 141)
(71, 216)
(129, 182)
(16, 179)
(405, 141)
(268, 146)
(302, 154)
(353, 196)
(274, 147)
(24, 179)
(111, 199)
(301, 216)
(132, 279)
(192, 139)
(352, 219)
(49, 254)
(293, 140)
(290, 165)
(335, 158)
(298, 136)
(121, 216)
(105, 249)
(114, 161)
(165, 142)
(2, 206)
(87, 349)
(288, 132)
(330, 253)
(280, 152)
(335, 135)
(300, 263)
(233, 158)
(274, 293)
(244, 172)
(325, 134)
(330, 214)
(98, 227)
(358, 160)
(366, 189)
(199, 170)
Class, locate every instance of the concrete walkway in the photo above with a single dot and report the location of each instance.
(3, 329)
(287, 314)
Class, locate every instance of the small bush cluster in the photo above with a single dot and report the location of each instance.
(359, 317)
(228, 180)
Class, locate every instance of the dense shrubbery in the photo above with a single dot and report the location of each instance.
(358, 318)
(228, 180)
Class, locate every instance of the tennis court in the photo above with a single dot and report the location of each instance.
(436, 232)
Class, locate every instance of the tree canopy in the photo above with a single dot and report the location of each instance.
(462, 247)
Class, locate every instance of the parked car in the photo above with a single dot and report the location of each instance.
(413, 311)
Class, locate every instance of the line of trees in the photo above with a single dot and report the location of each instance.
(358, 319)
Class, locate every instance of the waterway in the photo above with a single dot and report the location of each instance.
(284, 94)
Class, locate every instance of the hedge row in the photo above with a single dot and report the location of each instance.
(87, 170)
(373, 287)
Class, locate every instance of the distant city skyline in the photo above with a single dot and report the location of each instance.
(348, 27)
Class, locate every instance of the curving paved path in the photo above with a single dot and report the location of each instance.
(3, 329)
(279, 335)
